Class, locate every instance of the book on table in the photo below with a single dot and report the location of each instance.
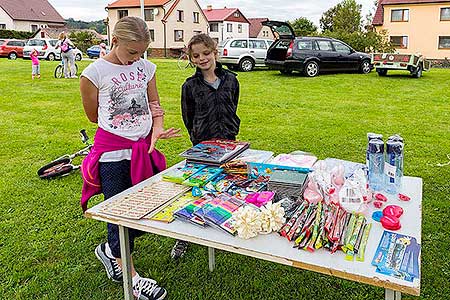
(214, 152)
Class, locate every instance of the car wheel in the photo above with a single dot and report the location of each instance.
(246, 65)
(78, 57)
(382, 72)
(417, 72)
(286, 72)
(311, 69)
(51, 57)
(12, 56)
(365, 67)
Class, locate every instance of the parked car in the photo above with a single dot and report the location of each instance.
(312, 55)
(94, 51)
(243, 53)
(46, 49)
(11, 48)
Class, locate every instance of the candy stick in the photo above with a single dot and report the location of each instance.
(358, 240)
(350, 228)
(349, 255)
(362, 247)
(354, 236)
(286, 227)
(313, 239)
(320, 239)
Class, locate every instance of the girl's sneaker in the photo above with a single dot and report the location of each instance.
(113, 269)
(148, 289)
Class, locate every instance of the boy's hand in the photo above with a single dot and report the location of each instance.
(160, 133)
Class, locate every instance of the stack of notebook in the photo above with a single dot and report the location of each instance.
(214, 152)
(287, 183)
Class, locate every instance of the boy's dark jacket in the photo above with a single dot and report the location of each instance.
(209, 113)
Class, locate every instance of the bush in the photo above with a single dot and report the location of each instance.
(364, 41)
(13, 34)
(83, 39)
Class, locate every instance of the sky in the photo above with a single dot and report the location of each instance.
(90, 10)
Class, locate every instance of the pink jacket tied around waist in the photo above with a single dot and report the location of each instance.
(143, 165)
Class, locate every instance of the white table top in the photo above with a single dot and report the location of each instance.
(273, 247)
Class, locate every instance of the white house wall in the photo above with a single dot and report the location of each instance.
(6, 19)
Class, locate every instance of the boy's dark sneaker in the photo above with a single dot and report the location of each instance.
(113, 269)
(148, 289)
(179, 249)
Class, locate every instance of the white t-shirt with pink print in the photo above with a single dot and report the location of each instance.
(123, 107)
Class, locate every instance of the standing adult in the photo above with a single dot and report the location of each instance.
(67, 55)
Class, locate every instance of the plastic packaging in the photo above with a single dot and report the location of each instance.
(371, 136)
(376, 164)
(393, 168)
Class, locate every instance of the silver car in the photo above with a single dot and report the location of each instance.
(243, 53)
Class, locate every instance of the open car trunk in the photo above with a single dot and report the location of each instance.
(284, 35)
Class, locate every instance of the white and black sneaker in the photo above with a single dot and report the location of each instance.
(113, 269)
(179, 249)
(148, 289)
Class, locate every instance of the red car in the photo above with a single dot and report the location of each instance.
(11, 48)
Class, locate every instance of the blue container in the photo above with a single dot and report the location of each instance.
(393, 169)
(376, 164)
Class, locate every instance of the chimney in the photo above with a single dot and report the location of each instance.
(209, 7)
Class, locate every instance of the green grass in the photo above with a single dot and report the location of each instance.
(46, 245)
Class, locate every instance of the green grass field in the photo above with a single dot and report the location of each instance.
(46, 245)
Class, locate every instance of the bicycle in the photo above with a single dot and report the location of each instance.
(184, 61)
(59, 70)
(63, 166)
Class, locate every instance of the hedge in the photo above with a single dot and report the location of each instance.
(13, 34)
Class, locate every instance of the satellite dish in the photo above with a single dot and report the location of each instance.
(155, 11)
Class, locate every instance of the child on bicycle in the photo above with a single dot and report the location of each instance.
(209, 101)
(35, 66)
(119, 93)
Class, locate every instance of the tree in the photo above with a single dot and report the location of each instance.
(345, 16)
(303, 27)
(83, 39)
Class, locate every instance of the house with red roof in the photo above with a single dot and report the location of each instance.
(28, 15)
(226, 23)
(257, 30)
(172, 23)
(416, 26)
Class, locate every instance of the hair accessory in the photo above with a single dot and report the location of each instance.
(403, 197)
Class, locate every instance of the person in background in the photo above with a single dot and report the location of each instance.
(209, 101)
(119, 94)
(67, 55)
(102, 50)
(35, 66)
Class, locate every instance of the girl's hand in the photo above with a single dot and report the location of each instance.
(160, 133)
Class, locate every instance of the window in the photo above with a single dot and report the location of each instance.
(399, 41)
(444, 42)
(229, 27)
(152, 35)
(341, 48)
(400, 15)
(178, 34)
(34, 28)
(325, 45)
(240, 28)
(257, 44)
(238, 44)
(196, 17)
(53, 42)
(180, 15)
(122, 13)
(2, 26)
(236, 14)
(149, 15)
(197, 32)
(305, 45)
(40, 43)
(214, 27)
(445, 14)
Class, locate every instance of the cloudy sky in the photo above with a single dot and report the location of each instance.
(89, 10)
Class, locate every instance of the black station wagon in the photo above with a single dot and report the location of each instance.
(312, 55)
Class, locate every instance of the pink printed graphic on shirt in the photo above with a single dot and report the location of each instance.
(128, 104)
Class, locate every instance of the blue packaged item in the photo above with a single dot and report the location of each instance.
(376, 164)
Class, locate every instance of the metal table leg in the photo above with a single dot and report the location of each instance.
(392, 295)
(211, 259)
(126, 262)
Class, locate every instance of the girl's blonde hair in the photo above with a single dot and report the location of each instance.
(131, 29)
(204, 39)
(62, 35)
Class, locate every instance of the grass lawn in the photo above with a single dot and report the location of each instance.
(46, 245)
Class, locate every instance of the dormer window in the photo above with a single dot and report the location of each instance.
(237, 14)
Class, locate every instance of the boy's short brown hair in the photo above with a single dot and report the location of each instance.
(201, 38)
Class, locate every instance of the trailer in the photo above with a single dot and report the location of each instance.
(413, 63)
